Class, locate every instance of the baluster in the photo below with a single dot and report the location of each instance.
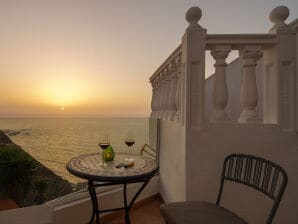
(155, 105)
(166, 101)
(178, 91)
(220, 91)
(153, 99)
(163, 97)
(249, 90)
(159, 96)
(172, 92)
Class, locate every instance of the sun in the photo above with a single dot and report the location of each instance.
(62, 108)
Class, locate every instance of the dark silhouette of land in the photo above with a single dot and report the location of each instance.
(54, 186)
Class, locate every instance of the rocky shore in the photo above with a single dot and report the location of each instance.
(55, 186)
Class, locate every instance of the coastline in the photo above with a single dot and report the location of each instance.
(56, 185)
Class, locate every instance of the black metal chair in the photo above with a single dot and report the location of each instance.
(255, 172)
(148, 151)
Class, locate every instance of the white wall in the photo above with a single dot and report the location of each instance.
(208, 144)
(214, 142)
(172, 162)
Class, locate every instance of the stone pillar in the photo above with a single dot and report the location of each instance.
(193, 63)
(280, 97)
(249, 90)
(220, 90)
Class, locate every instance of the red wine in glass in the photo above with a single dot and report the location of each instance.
(103, 143)
(129, 143)
(129, 139)
(103, 146)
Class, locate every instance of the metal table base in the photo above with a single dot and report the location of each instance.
(88, 166)
(127, 206)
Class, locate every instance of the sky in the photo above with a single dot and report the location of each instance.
(93, 58)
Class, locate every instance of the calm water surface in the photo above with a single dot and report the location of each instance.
(54, 141)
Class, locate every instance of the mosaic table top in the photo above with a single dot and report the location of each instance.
(89, 166)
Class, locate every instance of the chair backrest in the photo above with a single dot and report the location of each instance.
(148, 151)
(258, 173)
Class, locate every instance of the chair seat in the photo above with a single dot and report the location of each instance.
(198, 212)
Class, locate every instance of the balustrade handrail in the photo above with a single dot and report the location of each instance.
(174, 54)
(237, 40)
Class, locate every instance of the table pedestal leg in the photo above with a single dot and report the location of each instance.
(128, 207)
(127, 221)
(93, 196)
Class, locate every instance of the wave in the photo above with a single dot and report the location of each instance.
(13, 132)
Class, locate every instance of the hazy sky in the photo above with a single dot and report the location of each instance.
(94, 58)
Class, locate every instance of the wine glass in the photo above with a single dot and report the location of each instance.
(103, 143)
(129, 139)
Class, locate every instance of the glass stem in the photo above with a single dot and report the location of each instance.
(103, 158)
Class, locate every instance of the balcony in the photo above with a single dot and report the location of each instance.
(247, 106)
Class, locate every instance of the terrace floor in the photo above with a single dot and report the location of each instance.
(147, 212)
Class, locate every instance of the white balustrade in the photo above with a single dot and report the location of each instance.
(177, 117)
(165, 80)
(165, 97)
(170, 106)
(278, 17)
(193, 60)
(220, 90)
(172, 92)
(154, 102)
(161, 95)
(156, 96)
(183, 100)
(249, 90)
(178, 91)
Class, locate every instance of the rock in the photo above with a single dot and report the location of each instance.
(4, 139)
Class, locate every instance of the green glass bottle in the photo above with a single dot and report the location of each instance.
(108, 154)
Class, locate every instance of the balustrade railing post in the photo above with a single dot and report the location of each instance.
(249, 90)
(193, 63)
(280, 94)
(220, 90)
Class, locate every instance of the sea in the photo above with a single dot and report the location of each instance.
(55, 141)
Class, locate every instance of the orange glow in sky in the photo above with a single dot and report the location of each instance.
(78, 58)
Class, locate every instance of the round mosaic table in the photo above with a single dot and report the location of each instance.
(89, 166)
